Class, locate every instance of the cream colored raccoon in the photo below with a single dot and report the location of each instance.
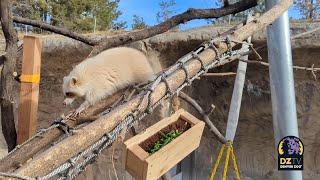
(103, 75)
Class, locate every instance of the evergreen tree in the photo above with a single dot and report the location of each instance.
(119, 25)
(166, 10)
(138, 23)
(76, 15)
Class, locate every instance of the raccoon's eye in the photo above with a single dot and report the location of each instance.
(70, 94)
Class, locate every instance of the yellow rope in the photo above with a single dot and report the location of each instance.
(33, 78)
(225, 169)
(214, 170)
(235, 166)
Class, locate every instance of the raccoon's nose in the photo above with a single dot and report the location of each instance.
(64, 103)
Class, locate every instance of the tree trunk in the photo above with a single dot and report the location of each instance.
(311, 10)
(7, 80)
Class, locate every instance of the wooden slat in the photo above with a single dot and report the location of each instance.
(29, 92)
(135, 163)
(153, 129)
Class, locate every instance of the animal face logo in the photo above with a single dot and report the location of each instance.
(290, 146)
(290, 153)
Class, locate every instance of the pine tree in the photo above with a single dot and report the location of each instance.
(166, 10)
(76, 15)
(138, 22)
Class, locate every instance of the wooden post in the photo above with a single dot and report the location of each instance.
(29, 91)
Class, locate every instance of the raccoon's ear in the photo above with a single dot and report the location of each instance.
(74, 80)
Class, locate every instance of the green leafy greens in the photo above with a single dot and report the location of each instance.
(164, 140)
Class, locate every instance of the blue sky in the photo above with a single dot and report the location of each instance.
(148, 9)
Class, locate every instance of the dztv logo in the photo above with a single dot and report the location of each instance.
(290, 154)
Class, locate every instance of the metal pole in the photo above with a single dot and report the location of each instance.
(237, 92)
(282, 83)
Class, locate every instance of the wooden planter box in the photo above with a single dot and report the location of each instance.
(144, 166)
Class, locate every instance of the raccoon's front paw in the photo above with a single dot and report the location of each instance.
(78, 111)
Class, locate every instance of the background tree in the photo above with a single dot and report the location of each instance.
(76, 15)
(309, 9)
(119, 25)
(138, 22)
(166, 10)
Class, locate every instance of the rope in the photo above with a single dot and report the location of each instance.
(235, 166)
(225, 169)
(229, 152)
(214, 170)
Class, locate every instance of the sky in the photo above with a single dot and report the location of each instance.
(147, 9)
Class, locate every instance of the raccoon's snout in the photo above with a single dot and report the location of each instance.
(70, 94)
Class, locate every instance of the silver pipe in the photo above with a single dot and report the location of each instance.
(282, 83)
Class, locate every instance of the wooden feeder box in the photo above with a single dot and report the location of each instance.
(144, 166)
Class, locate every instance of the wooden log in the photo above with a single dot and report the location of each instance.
(16, 158)
(29, 89)
(61, 152)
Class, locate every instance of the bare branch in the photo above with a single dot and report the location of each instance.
(294, 37)
(312, 69)
(294, 67)
(221, 74)
(58, 30)
(206, 118)
(305, 33)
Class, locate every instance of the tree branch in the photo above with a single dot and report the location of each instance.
(294, 37)
(205, 117)
(58, 30)
(312, 69)
(220, 74)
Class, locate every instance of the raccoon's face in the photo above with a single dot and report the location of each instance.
(71, 89)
